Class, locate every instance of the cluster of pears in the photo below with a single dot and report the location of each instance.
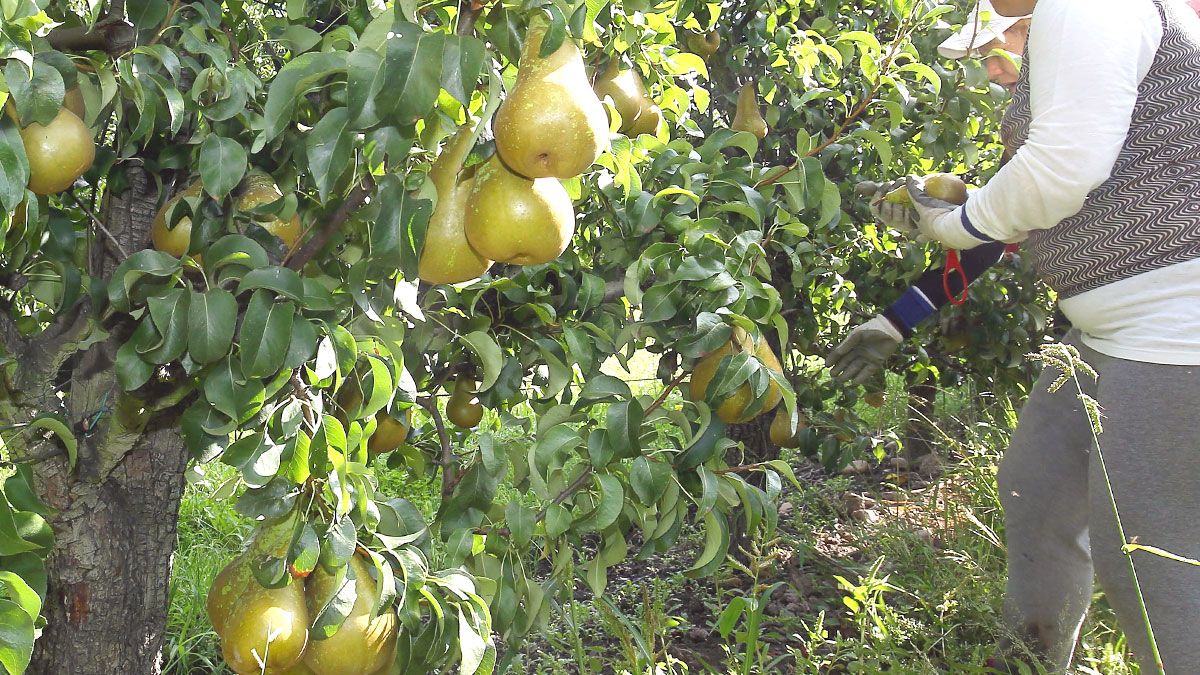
(639, 114)
(256, 189)
(734, 408)
(267, 630)
(391, 430)
(748, 117)
(513, 209)
(58, 152)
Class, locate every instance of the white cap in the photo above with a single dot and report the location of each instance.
(978, 31)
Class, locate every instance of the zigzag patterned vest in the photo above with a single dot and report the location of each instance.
(1146, 216)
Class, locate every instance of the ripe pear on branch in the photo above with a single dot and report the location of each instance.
(257, 623)
(363, 643)
(552, 124)
(639, 114)
(733, 409)
(447, 257)
(703, 45)
(944, 186)
(463, 408)
(748, 117)
(516, 220)
(58, 152)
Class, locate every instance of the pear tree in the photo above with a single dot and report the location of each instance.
(315, 241)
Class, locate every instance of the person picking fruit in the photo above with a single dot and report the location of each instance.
(1103, 135)
(863, 352)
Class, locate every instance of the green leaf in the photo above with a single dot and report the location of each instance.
(230, 392)
(608, 507)
(37, 98)
(329, 148)
(212, 316)
(602, 386)
(649, 479)
(11, 541)
(716, 545)
(366, 77)
(558, 520)
(282, 280)
(658, 304)
(16, 637)
(14, 167)
(398, 234)
(169, 312)
(414, 63)
(462, 62)
(266, 334)
(132, 370)
(296, 78)
(59, 427)
(490, 356)
(222, 165)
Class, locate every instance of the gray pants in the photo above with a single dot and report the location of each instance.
(1056, 502)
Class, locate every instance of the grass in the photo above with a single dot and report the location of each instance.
(917, 592)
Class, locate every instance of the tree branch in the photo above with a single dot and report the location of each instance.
(449, 476)
(468, 13)
(112, 35)
(298, 259)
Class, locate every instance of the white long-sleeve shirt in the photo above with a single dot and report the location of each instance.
(1088, 60)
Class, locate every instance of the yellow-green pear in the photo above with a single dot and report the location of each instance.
(733, 409)
(748, 118)
(463, 408)
(447, 257)
(552, 124)
(944, 186)
(257, 624)
(515, 220)
(639, 114)
(362, 644)
(703, 45)
(58, 152)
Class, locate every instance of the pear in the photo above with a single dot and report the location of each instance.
(447, 258)
(256, 623)
(748, 118)
(781, 432)
(174, 240)
(362, 644)
(513, 219)
(733, 409)
(259, 189)
(551, 124)
(73, 101)
(58, 152)
(463, 408)
(944, 186)
(390, 433)
(639, 114)
(703, 45)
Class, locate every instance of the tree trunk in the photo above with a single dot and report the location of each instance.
(109, 574)
(918, 434)
(755, 437)
(115, 526)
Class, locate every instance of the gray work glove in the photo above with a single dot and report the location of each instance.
(937, 220)
(864, 351)
(899, 217)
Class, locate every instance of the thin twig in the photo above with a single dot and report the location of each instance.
(449, 479)
(96, 219)
(854, 114)
(300, 257)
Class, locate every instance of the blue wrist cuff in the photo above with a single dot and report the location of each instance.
(910, 310)
(970, 227)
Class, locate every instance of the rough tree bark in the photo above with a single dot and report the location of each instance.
(115, 525)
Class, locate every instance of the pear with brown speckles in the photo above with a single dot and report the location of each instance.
(552, 124)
